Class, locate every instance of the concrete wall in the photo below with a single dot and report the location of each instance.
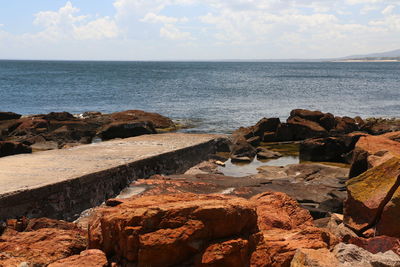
(66, 200)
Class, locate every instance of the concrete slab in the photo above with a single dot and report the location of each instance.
(51, 183)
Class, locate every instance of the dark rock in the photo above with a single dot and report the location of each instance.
(9, 116)
(345, 125)
(157, 120)
(241, 148)
(263, 153)
(307, 114)
(59, 116)
(8, 148)
(329, 149)
(266, 125)
(254, 141)
(126, 129)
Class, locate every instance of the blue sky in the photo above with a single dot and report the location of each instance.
(194, 29)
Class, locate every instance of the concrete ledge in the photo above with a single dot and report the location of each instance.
(62, 183)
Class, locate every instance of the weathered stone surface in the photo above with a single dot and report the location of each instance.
(241, 148)
(368, 146)
(87, 258)
(372, 199)
(278, 246)
(9, 116)
(330, 149)
(126, 129)
(307, 114)
(345, 125)
(304, 129)
(231, 253)
(8, 148)
(159, 121)
(170, 229)
(395, 136)
(263, 153)
(39, 246)
(352, 256)
(314, 258)
(377, 244)
(278, 210)
(377, 126)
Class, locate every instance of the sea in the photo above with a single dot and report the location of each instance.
(213, 97)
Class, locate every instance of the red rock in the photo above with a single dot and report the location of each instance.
(156, 119)
(345, 125)
(368, 146)
(39, 247)
(31, 126)
(307, 114)
(377, 244)
(87, 258)
(395, 136)
(169, 229)
(278, 210)
(372, 200)
(231, 253)
(278, 246)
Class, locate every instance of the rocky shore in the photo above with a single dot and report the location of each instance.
(339, 206)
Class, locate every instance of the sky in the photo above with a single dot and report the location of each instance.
(196, 29)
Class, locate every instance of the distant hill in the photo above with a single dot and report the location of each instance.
(395, 54)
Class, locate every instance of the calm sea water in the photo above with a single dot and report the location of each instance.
(216, 96)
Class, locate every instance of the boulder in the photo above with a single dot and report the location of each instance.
(370, 148)
(167, 230)
(8, 148)
(87, 258)
(278, 210)
(126, 129)
(39, 245)
(307, 114)
(9, 116)
(157, 120)
(314, 258)
(345, 125)
(350, 255)
(59, 116)
(278, 247)
(329, 149)
(376, 126)
(377, 244)
(326, 120)
(263, 153)
(266, 125)
(298, 128)
(373, 199)
(241, 148)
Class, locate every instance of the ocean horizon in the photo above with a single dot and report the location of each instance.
(214, 96)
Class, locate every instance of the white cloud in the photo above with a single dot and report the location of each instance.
(66, 24)
(169, 31)
(388, 10)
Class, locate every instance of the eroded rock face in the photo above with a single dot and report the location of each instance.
(159, 121)
(373, 200)
(330, 149)
(369, 149)
(351, 255)
(314, 258)
(171, 229)
(87, 258)
(278, 210)
(39, 242)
